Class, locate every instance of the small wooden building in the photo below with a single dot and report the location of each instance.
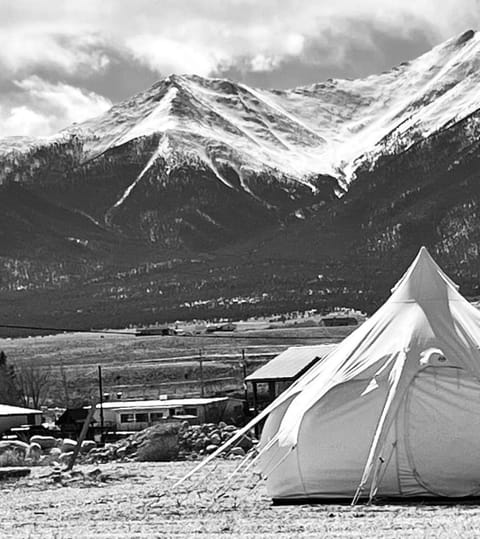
(331, 321)
(71, 423)
(280, 372)
(154, 331)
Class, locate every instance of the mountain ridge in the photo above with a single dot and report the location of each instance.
(199, 166)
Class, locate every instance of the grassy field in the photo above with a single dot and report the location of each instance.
(146, 366)
(135, 500)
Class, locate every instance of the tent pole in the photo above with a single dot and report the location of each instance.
(380, 432)
(229, 443)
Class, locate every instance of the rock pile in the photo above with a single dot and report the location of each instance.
(42, 450)
(173, 441)
(197, 440)
(162, 442)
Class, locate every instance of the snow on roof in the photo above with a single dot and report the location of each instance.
(6, 410)
(167, 403)
(291, 363)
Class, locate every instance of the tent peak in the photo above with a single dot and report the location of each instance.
(423, 280)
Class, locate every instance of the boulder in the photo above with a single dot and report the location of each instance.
(68, 445)
(65, 457)
(15, 446)
(55, 453)
(237, 452)
(34, 452)
(245, 443)
(211, 448)
(121, 452)
(87, 446)
(45, 442)
(215, 439)
(160, 443)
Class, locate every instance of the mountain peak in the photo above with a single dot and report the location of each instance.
(464, 37)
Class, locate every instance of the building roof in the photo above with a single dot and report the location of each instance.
(291, 363)
(6, 409)
(166, 403)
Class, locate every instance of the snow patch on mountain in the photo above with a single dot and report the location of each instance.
(160, 119)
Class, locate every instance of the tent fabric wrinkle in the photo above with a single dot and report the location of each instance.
(393, 410)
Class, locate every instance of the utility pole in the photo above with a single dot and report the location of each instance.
(244, 370)
(65, 384)
(100, 390)
(202, 383)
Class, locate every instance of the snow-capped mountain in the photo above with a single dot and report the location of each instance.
(238, 134)
(319, 129)
(203, 162)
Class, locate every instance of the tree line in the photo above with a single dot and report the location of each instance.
(23, 385)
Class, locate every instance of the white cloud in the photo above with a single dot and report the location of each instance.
(51, 40)
(21, 120)
(201, 35)
(41, 108)
(168, 55)
(30, 48)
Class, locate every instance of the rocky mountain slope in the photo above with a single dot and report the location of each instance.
(327, 178)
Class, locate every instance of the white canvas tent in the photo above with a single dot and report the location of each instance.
(393, 411)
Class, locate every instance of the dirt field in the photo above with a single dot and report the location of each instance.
(125, 501)
(144, 367)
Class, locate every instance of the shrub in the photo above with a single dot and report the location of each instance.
(11, 458)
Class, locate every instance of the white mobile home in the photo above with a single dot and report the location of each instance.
(15, 416)
(138, 415)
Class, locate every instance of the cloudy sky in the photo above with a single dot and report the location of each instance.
(63, 61)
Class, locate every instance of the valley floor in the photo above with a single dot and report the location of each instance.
(125, 501)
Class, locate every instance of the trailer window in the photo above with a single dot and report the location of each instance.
(141, 418)
(127, 418)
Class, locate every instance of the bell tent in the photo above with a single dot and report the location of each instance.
(392, 411)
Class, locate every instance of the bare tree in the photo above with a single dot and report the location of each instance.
(33, 384)
(8, 388)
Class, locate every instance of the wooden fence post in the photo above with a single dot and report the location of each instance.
(83, 434)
